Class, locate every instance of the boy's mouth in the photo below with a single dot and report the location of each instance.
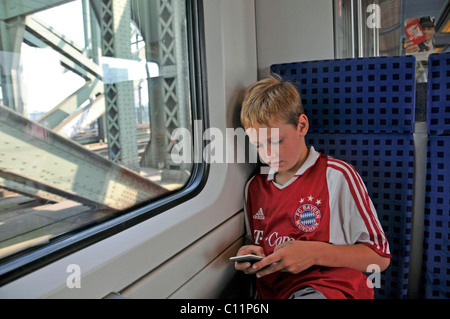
(275, 164)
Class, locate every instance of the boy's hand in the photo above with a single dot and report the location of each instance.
(297, 256)
(246, 267)
(291, 256)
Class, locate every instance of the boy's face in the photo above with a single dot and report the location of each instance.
(281, 145)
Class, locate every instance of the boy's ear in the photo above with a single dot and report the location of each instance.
(303, 124)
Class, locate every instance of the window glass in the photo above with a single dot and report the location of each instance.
(366, 28)
(91, 92)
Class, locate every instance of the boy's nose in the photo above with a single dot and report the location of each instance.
(272, 155)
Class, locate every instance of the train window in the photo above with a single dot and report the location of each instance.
(91, 92)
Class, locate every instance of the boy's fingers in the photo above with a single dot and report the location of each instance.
(273, 258)
(242, 266)
(267, 265)
(251, 249)
(274, 267)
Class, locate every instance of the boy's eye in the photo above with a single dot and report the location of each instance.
(275, 142)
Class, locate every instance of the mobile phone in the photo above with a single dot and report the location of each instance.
(246, 258)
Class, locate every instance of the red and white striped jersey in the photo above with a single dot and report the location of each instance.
(325, 201)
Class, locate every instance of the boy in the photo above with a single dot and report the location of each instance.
(311, 217)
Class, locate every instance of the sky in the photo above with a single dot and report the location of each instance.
(46, 83)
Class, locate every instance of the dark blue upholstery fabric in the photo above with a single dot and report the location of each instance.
(362, 111)
(436, 256)
(367, 95)
(436, 249)
(439, 94)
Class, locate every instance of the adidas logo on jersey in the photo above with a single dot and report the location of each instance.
(259, 215)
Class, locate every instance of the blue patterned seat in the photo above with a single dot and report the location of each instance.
(362, 111)
(436, 247)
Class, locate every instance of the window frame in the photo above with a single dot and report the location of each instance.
(31, 259)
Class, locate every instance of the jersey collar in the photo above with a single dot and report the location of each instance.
(310, 161)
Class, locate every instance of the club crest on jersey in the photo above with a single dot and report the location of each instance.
(307, 218)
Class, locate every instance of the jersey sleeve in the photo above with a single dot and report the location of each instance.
(353, 217)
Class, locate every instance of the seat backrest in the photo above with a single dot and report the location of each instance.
(435, 281)
(362, 111)
(366, 95)
(439, 94)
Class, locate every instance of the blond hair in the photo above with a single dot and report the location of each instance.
(270, 100)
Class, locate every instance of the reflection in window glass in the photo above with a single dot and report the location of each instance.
(90, 94)
(405, 27)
